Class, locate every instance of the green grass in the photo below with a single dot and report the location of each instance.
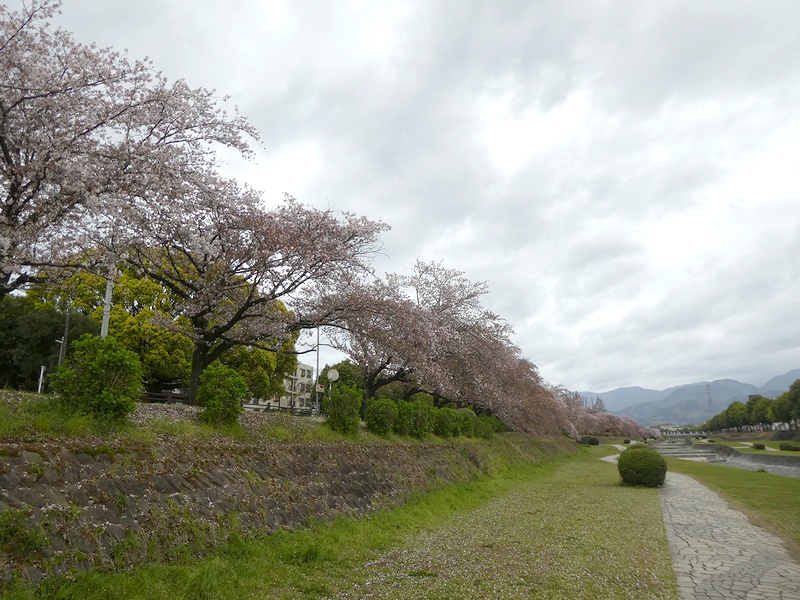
(563, 529)
(28, 416)
(25, 415)
(740, 446)
(775, 452)
(771, 501)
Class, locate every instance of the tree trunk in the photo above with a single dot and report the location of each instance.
(199, 363)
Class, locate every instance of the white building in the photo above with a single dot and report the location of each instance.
(299, 395)
(299, 389)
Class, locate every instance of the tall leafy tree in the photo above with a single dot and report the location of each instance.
(263, 371)
(28, 339)
(760, 411)
(736, 414)
(794, 399)
(349, 376)
(786, 408)
(141, 318)
(757, 408)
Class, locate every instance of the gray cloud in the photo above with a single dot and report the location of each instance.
(619, 173)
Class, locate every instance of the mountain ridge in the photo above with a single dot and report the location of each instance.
(691, 403)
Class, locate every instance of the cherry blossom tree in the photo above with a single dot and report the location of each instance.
(428, 330)
(464, 334)
(86, 127)
(576, 419)
(526, 403)
(380, 330)
(228, 262)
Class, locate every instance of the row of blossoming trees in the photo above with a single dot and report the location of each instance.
(107, 167)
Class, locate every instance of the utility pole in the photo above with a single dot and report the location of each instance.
(62, 351)
(316, 383)
(107, 302)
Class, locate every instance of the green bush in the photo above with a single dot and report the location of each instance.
(445, 422)
(626, 442)
(790, 447)
(493, 424)
(758, 446)
(102, 378)
(481, 428)
(221, 392)
(640, 465)
(414, 418)
(467, 422)
(342, 407)
(381, 416)
(593, 441)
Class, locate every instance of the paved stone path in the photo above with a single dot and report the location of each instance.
(717, 554)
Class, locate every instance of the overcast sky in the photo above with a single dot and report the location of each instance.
(624, 175)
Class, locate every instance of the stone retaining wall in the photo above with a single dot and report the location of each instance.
(114, 507)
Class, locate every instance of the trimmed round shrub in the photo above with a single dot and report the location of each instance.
(593, 441)
(381, 416)
(758, 446)
(789, 447)
(102, 379)
(221, 392)
(626, 442)
(640, 465)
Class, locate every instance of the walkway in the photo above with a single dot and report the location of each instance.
(717, 553)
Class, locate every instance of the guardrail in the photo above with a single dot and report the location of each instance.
(166, 397)
(171, 397)
(296, 410)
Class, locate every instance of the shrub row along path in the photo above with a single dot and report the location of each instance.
(717, 554)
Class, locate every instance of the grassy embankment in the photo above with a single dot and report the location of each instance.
(561, 529)
(26, 417)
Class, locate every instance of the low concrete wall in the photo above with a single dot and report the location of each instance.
(780, 460)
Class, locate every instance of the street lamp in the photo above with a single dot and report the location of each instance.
(331, 375)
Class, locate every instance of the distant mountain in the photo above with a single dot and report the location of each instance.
(622, 397)
(693, 403)
(781, 383)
